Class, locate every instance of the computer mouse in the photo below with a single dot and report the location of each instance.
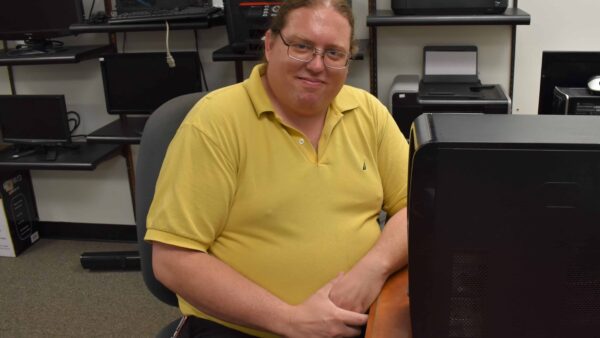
(594, 85)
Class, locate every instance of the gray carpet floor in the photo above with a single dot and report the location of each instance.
(45, 292)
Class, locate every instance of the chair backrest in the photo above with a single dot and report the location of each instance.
(158, 132)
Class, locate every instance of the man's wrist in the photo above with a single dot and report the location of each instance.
(282, 320)
(378, 265)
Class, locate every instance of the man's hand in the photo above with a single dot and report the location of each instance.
(318, 316)
(357, 289)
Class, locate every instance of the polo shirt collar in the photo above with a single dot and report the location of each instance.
(342, 103)
(256, 91)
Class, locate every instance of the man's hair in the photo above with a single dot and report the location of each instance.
(340, 6)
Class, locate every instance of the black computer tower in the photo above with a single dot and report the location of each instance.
(247, 22)
(504, 226)
(575, 101)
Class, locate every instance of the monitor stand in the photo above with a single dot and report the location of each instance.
(50, 152)
(37, 47)
(20, 151)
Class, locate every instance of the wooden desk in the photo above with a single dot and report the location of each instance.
(389, 316)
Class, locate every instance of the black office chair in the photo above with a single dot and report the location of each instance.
(158, 132)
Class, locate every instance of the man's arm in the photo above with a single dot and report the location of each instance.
(218, 290)
(360, 286)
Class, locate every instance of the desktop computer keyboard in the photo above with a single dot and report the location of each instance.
(188, 13)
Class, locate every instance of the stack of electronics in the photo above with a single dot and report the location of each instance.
(138, 83)
(576, 101)
(35, 124)
(141, 11)
(450, 84)
(575, 75)
(247, 22)
(37, 22)
(445, 7)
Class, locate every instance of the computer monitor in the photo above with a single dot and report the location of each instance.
(504, 226)
(138, 83)
(34, 119)
(36, 21)
(565, 69)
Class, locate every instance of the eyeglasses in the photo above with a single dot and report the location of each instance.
(332, 58)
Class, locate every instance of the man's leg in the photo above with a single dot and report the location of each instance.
(195, 327)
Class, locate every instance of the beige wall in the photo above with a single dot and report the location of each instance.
(102, 196)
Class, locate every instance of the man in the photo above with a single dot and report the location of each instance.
(265, 213)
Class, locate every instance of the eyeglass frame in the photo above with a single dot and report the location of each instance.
(316, 51)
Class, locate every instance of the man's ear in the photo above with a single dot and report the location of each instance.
(268, 41)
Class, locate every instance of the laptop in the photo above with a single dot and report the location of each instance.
(449, 72)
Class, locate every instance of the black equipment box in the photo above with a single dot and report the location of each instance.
(503, 226)
(575, 101)
(247, 22)
(19, 227)
(443, 7)
(406, 103)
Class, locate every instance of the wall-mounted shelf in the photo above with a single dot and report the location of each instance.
(512, 16)
(125, 130)
(70, 54)
(82, 157)
(216, 20)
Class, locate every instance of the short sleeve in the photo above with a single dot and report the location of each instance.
(194, 191)
(392, 158)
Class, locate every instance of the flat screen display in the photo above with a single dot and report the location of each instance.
(38, 19)
(39, 119)
(138, 83)
(565, 69)
(451, 63)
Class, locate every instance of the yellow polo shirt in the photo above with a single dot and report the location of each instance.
(241, 185)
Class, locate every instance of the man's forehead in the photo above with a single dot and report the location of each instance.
(302, 29)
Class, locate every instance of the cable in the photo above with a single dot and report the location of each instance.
(91, 10)
(170, 60)
(123, 43)
(76, 121)
(202, 73)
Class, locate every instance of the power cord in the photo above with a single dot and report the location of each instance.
(75, 119)
(202, 73)
(170, 59)
(123, 42)
(91, 10)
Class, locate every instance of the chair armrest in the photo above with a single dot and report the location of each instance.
(389, 315)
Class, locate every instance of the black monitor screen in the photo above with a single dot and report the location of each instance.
(38, 19)
(565, 69)
(138, 83)
(34, 119)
